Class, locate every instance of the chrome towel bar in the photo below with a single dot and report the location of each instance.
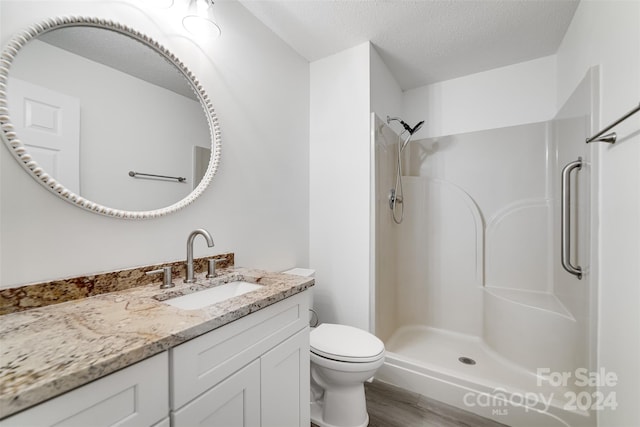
(611, 137)
(565, 223)
(177, 178)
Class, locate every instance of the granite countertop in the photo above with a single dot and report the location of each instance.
(47, 351)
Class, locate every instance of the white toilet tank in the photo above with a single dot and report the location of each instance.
(306, 272)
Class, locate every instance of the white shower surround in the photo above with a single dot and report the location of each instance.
(472, 271)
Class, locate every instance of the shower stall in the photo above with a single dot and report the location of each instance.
(469, 291)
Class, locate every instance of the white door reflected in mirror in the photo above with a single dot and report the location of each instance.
(49, 124)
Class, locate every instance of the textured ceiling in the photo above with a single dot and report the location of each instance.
(422, 41)
(122, 53)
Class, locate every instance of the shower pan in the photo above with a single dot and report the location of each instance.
(469, 292)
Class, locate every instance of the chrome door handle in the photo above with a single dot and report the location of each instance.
(565, 224)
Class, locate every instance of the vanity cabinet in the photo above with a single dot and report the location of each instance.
(134, 396)
(252, 372)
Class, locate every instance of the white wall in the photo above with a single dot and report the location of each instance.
(256, 206)
(386, 95)
(617, 50)
(339, 186)
(506, 96)
(345, 88)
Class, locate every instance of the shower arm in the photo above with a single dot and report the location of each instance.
(406, 127)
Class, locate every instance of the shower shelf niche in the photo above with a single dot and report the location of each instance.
(538, 300)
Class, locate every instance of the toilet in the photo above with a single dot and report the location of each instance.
(342, 359)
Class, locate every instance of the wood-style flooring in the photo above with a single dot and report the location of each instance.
(390, 406)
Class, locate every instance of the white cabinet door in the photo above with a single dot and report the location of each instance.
(235, 402)
(201, 363)
(134, 396)
(285, 383)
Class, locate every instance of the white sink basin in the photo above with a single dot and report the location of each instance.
(213, 295)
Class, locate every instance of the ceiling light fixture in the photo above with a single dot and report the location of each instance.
(200, 21)
(161, 4)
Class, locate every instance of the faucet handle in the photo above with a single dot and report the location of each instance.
(166, 278)
(212, 267)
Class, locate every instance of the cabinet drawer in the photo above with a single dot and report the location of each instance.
(134, 396)
(201, 363)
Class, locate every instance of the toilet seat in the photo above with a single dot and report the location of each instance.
(345, 344)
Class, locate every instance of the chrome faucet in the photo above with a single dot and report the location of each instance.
(192, 236)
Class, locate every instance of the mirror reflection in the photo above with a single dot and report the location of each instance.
(92, 104)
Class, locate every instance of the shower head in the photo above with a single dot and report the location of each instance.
(416, 128)
(406, 126)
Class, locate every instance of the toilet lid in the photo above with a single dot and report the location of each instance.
(345, 343)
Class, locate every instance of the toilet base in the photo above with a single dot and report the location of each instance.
(316, 417)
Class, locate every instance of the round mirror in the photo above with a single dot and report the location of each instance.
(107, 118)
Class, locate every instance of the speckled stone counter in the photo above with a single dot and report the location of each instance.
(47, 351)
